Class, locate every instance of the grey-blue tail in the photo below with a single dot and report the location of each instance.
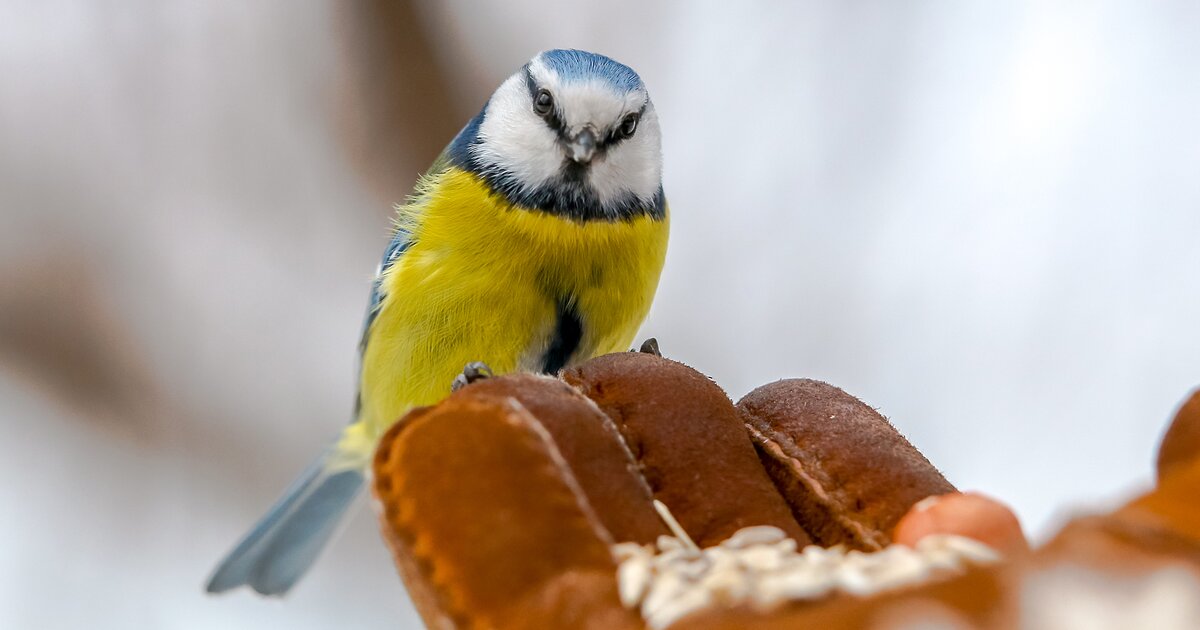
(288, 539)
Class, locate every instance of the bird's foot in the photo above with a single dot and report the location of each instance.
(650, 346)
(474, 371)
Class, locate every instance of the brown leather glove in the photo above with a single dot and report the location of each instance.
(504, 505)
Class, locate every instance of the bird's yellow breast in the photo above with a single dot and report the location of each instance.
(483, 281)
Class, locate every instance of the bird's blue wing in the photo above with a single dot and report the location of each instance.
(401, 241)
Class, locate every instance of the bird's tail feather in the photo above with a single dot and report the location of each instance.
(273, 556)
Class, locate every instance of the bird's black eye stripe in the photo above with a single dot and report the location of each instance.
(625, 128)
(542, 101)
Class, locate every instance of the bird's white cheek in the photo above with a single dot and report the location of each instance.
(630, 167)
(542, 157)
(606, 178)
(522, 146)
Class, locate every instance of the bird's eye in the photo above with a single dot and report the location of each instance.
(629, 125)
(543, 103)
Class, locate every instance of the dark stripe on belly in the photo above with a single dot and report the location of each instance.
(568, 331)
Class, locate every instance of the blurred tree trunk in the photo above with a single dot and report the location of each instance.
(395, 115)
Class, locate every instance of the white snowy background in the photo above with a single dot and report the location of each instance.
(981, 218)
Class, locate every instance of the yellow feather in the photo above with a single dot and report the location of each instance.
(482, 281)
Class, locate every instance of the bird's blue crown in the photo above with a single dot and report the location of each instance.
(578, 65)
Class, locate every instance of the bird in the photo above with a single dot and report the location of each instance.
(534, 242)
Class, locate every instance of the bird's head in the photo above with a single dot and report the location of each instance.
(572, 133)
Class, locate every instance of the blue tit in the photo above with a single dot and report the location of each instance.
(534, 242)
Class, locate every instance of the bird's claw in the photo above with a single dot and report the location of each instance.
(473, 371)
(650, 346)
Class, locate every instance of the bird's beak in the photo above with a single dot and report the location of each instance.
(583, 146)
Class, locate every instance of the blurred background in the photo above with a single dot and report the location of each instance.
(981, 218)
